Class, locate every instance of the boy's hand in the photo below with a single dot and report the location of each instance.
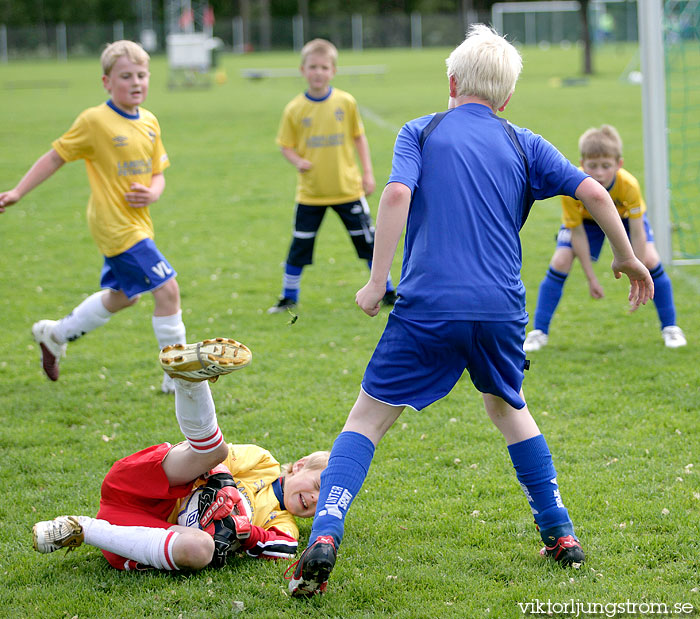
(368, 183)
(8, 198)
(304, 165)
(595, 288)
(140, 196)
(641, 284)
(369, 298)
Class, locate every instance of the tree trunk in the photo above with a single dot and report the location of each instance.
(586, 37)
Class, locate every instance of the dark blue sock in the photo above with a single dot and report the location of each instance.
(551, 289)
(291, 282)
(663, 296)
(389, 283)
(538, 479)
(342, 479)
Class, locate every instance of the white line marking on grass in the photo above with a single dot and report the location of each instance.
(378, 120)
(688, 279)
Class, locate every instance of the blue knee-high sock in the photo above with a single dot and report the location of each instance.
(389, 283)
(538, 478)
(551, 289)
(340, 482)
(663, 296)
(291, 282)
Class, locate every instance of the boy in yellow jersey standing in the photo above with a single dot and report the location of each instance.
(125, 159)
(581, 237)
(320, 132)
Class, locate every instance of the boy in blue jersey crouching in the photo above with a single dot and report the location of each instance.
(125, 160)
(462, 183)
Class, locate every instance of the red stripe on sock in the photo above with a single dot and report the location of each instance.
(167, 551)
(206, 444)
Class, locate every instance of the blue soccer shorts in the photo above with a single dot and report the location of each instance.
(418, 362)
(141, 268)
(596, 236)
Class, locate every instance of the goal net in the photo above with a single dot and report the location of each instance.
(682, 69)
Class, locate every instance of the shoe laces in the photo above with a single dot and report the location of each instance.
(293, 565)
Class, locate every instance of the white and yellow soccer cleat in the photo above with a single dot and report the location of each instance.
(61, 532)
(206, 360)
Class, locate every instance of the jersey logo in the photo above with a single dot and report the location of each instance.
(306, 121)
(152, 135)
(120, 140)
(339, 114)
(161, 269)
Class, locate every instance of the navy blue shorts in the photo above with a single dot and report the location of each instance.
(141, 268)
(596, 236)
(417, 362)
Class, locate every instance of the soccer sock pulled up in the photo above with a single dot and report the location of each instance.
(196, 415)
(291, 282)
(145, 545)
(342, 479)
(86, 317)
(533, 465)
(169, 330)
(548, 297)
(663, 296)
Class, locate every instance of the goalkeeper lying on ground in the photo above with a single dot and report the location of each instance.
(232, 497)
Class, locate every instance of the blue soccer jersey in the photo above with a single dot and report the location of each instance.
(462, 253)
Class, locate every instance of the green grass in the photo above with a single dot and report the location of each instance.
(441, 527)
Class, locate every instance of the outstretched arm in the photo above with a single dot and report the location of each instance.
(599, 204)
(43, 167)
(391, 219)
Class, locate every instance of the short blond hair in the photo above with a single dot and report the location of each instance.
(603, 142)
(113, 51)
(319, 46)
(318, 460)
(485, 65)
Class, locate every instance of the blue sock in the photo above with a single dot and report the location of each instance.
(291, 282)
(340, 482)
(389, 283)
(538, 478)
(551, 289)
(663, 296)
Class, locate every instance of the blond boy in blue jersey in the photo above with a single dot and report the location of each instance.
(125, 160)
(319, 134)
(580, 237)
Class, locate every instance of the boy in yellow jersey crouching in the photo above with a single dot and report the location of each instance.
(125, 159)
(320, 132)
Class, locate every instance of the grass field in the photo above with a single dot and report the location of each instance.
(441, 527)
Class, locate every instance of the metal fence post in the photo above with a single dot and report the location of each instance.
(357, 32)
(61, 42)
(298, 32)
(416, 30)
(238, 36)
(3, 43)
(118, 30)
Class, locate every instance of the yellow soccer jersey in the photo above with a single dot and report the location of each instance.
(254, 469)
(323, 131)
(625, 193)
(119, 149)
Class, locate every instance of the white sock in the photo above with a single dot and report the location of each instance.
(89, 315)
(146, 545)
(169, 330)
(196, 414)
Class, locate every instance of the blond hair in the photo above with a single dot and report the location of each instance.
(485, 65)
(603, 142)
(113, 51)
(319, 46)
(318, 460)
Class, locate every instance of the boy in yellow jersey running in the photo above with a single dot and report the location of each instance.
(125, 159)
(581, 237)
(320, 132)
